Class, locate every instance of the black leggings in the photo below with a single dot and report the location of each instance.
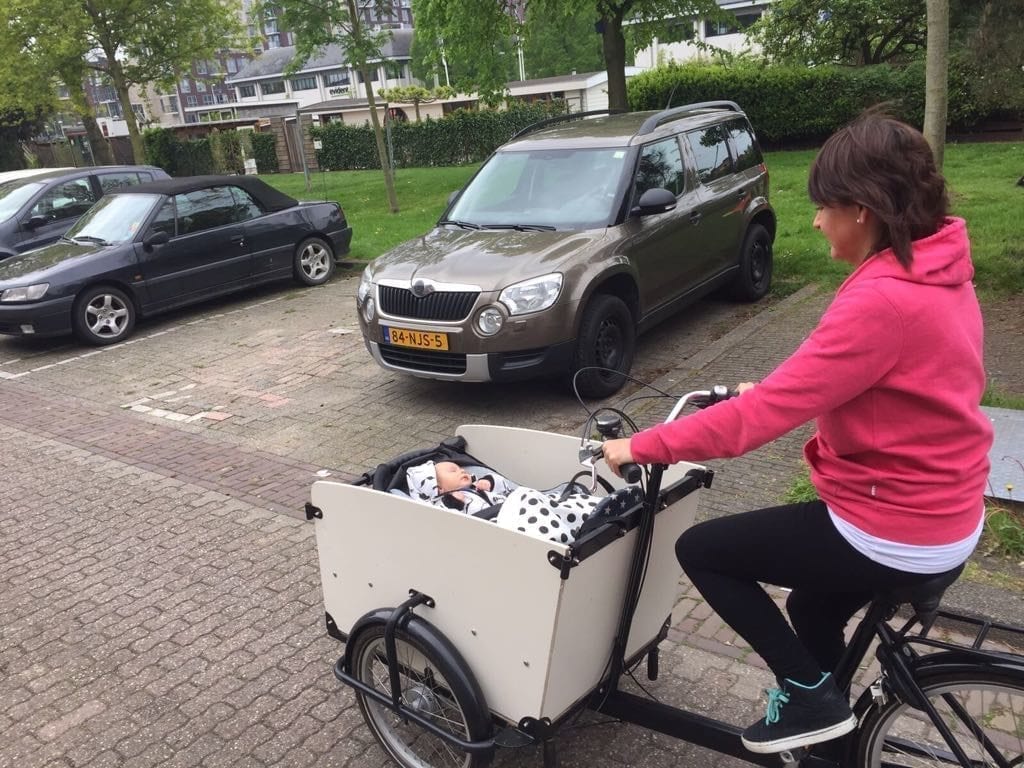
(795, 546)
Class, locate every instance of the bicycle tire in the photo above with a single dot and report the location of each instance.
(432, 687)
(896, 734)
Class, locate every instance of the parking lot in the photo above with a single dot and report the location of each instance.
(284, 370)
(160, 591)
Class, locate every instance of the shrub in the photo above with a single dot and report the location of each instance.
(790, 104)
(464, 136)
(264, 150)
(179, 158)
(226, 148)
(159, 146)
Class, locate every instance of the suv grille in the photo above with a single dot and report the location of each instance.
(440, 305)
(434, 362)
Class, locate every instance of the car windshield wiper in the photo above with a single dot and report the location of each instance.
(90, 239)
(522, 227)
(463, 224)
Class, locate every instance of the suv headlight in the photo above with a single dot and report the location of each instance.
(365, 286)
(531, 295)
(27, 293)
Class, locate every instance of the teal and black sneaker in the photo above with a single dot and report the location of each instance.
(801, 715)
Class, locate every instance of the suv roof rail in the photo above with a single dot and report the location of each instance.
(655, 120)
(564, 118)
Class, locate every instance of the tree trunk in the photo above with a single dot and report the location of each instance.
(378, 134)
(121, 89)
(936, 82)
(101, 153)
(613, 44)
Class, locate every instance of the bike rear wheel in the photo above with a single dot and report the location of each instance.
(983, 708)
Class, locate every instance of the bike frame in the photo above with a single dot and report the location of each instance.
(902, 664)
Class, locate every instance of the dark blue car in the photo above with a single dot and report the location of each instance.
(156, 246)
(38, 206)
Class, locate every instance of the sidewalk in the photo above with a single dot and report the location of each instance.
(161, 601)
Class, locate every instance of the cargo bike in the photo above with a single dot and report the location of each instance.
(463, 637)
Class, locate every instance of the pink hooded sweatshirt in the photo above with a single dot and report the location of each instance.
(894, 375)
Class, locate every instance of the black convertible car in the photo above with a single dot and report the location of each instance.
(156, 246)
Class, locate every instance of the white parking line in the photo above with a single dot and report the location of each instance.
(10, 375)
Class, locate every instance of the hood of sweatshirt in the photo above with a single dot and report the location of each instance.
(941, 259)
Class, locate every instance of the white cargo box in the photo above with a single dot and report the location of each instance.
(536, 642)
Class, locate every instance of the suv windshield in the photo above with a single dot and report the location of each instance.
(13, 195)
(560, 188)
(114, 219)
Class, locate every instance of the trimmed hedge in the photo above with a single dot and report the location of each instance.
(464, 136)
(263, 149)
(788, 104)
(178, 158)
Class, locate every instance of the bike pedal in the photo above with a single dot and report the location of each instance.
(791, 757)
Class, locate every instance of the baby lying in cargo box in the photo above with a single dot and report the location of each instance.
(554, 515)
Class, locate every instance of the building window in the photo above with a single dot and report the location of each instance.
(304, 83)
(200, 86)
(272, 86)
(140, 112)
(270, 26)
(338, 77)
(63, 92)
(273, 41)
(232, 66)
(223, 98)
(201, 67)
(207, 98)
(393, 70)
(191, 101)
(246, 91)
(186, 86)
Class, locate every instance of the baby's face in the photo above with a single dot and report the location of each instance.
(450, 476)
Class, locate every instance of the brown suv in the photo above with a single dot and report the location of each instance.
(575, 235)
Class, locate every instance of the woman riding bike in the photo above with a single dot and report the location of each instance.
(893, 374)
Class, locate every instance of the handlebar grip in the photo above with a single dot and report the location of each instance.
(631, 473)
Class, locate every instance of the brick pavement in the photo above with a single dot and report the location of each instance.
(159, 609)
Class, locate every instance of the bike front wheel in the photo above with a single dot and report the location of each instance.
(984, 710)
(432, 686)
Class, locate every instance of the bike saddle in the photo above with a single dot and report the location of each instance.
(924, 596)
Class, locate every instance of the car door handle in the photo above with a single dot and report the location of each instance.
(741, 194)
(240, 239)
(695, 217)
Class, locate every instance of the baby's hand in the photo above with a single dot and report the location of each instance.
(484, 484)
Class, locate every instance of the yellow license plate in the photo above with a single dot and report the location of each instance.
(403, 337)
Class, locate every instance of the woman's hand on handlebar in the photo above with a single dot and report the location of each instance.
(616, 453)
(746, 386)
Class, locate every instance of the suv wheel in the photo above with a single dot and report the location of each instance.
(607, 340)
(755, 274)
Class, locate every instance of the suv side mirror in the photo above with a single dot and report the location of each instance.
(34, 222)
(154, 239)
(655, 200)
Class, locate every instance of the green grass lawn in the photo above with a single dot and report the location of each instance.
(981, 178)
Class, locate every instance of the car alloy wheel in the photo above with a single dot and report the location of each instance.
(103, 315)
(314, 261)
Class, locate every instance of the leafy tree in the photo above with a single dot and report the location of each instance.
(856, 32)
(556, 44)
(130, 41)
(416, 95)
(475, 31)
(989, 41)
(318, 24)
